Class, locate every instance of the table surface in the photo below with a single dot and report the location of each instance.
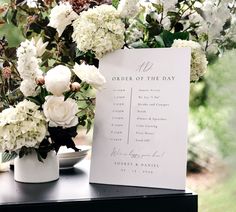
(73, 185)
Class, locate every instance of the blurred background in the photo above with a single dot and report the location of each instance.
(212, 131)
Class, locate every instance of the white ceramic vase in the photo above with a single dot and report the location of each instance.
(29, 169)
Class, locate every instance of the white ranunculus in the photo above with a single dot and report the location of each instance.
(90, 74)
(61, 16)
(57, 80)
(60, 113)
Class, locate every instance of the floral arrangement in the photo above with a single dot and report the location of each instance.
(48, 113)
(48, 81)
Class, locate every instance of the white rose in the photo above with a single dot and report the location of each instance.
(60, 113)
(90, 74)
(57, 80)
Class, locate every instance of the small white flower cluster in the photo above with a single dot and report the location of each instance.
(61, 16)
(212, 18)
(32, 3)
(133, 34)
(166, 4)
(169, 5)
(128, 8)
(28, 65)
(198, 58)
(152, 11)
(99, 30)
(23, 125)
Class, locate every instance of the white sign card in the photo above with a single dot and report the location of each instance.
(140, 132)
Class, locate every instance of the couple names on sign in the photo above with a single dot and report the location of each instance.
(140, 131)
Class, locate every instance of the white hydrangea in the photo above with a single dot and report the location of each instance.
(198, 58)
(128, 8)
(90, 74)
(61, 16)
(99, 30)
(23, 125)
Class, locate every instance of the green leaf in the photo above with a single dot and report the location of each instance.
(179, 27)
(168, 38)
(5, 17)
(80, 53)
(19, 1)
(69, 94)
(14, 18)
(65, 59)
(115, 3)
(181, 35)
(7, 156)
(25, 151)
(34, 100)
(82, 121)
(155, 30)
(22, 152)
(89, 125)
(39, 157)
(173, 14)
(35, 27)
(139, 44)
(159, 7)
(159, 42)
(149, 18)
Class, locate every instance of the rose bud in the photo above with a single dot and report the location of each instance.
(40, 80)
(75, 86)
(6, 72)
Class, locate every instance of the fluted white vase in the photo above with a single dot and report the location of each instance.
(29, 169)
